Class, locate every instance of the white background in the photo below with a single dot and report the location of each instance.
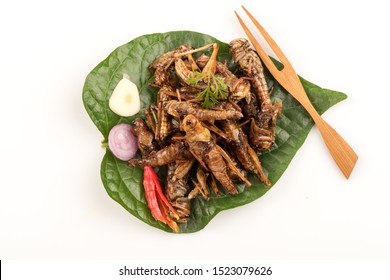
(52, 202)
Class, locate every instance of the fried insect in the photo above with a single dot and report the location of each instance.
(250, 109)
(241, 148)
(175, 151)
(165, 60)
(263, 125)
(203, 147)
(145, 137)
(200, 185)
(232, 174)
(177, 191)
(162, 77)
(181, 109)
(164, 123)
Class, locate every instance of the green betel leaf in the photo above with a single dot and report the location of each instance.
(124, 184)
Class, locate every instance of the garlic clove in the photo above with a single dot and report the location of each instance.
(125, 100)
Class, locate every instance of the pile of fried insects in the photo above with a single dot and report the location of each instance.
(197, 124)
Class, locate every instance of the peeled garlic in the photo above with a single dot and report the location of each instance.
(125, 100)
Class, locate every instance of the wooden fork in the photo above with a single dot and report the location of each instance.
(341, 152)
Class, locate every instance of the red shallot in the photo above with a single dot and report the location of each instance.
(122, 141)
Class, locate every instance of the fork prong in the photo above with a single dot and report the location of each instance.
(263, 55)
(283, 59)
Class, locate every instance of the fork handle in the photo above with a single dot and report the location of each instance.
(342, 153)
(344, 156)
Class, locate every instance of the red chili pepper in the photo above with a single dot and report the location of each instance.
(157, 202)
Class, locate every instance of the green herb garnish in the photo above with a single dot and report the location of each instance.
(216, 88)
